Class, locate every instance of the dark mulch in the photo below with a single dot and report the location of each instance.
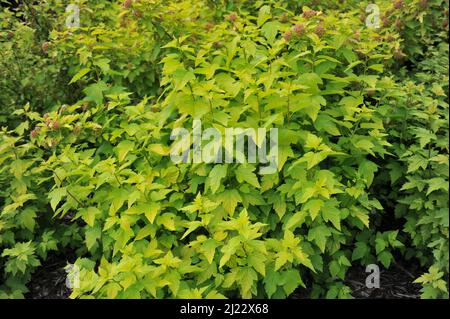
(395, 283)
(49, 280)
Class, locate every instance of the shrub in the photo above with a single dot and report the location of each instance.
(419, 172)
(27, 231)
(362, 172)
(155, 226)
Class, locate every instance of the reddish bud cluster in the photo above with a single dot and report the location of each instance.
(398, 4)
(55, 125)
(45, 47)
(124, 22)
(299, 29)
(423, 3)
(54, 142)
(34, 133)
(309, 13)
(398, 54)
(389, 12)
(209, 26)
(127, 4)
(47, 119)
(284, 18)
(218, 44)
(232, 16)
(371, 92)
(360, 55)
(320, 30)
(287, 36)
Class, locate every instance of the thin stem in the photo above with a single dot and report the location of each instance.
(68, 192)
(117, 179)
(211, 109)
(289, 102)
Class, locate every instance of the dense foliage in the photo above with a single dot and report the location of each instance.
(87, 115)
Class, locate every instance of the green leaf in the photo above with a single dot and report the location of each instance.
(182, 77)
(303, 258)
(436, 184)
(296, 220)
(192, 227)
(246, 278)
(319, 235)
(335, 268)
(416, 162)
(257, 261)
(312, 159)
(167, 220)
(385, 258)
(244, 173)
(359, 251)
(424, 136)
(313, 141)
(291, 280)
(228, 83)
(123, 148)
(308, 192)
(92, 235)
(365, 145)
(271, 281)
(279, 205)
(230, 199)
(270, 30)
(377, 67)
(282, 258)
(27, 218)
(367, 170)
(380, 244)
(362, 215)
(55, 196)
(144, 232)
(331, 213)
(215, 177)
(209, 249)
(94, 92)
(325, 123)
(228, 250)
(89, 214)
(103, 64)
(313, 206)
(79, 75)
(159, 149)
(263, 15)
(352, 65)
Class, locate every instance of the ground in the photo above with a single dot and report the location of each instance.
(49, 282)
